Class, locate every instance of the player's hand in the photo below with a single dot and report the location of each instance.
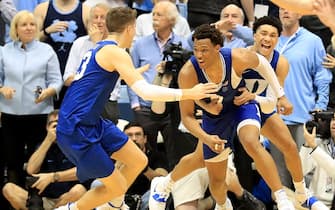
(284, 106)
(324, 9)
(7, 92)
(215, 143)
(245, 97)
(200, 91)
(213, 105)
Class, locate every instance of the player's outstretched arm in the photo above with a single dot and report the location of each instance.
(121, 62)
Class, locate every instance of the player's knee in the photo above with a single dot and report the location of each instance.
(290, 147)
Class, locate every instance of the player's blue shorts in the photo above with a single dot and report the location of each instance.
(223, 126)
(227, 124)
(264, 117)
(90, 148)
(248, 114)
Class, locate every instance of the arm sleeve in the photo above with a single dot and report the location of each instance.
(155, 93)
(265, 70)
(268, 102)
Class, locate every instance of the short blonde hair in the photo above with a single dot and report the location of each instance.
(13, 25)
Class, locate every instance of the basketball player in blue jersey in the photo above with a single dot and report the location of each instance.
(90, 142)
(211, 63)
(266, 32)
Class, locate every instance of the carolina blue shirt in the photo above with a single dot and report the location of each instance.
(147, 51)
(23, 70)
(307, 83)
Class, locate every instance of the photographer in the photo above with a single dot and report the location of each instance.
(317, 156)
(55, 176)
(149, 50)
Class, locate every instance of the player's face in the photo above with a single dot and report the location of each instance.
(136, 134)
(26, 29)
(266, 38)
(205, 52)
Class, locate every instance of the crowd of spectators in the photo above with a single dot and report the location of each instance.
(42, 43)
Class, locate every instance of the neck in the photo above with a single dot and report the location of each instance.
(289, 31)
(64, 3)
(117, 38)
(164, 35)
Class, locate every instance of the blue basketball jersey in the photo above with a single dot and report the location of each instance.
(224, 124)
(258, 85)
(255, 82)
(87, 95)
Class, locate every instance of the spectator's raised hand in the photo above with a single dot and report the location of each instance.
(224, 26)
(7, 92)
(94, 33)
(329, 61)
(59, 26)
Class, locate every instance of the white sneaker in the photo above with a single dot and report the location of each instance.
(285, 204)
(157, 199)
(229, 206)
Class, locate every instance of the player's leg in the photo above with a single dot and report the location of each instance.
(285, 143)
(161, 186)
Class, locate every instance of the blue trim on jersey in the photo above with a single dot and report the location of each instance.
(223, 124)
(83, 136)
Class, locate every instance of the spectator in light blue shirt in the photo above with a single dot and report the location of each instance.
(231, 26)
(307, 83)
(29, 79)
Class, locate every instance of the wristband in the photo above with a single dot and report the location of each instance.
(56, 177)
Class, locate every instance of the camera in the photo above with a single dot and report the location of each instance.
(321, 121)
(34, 201)
(175, 56)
